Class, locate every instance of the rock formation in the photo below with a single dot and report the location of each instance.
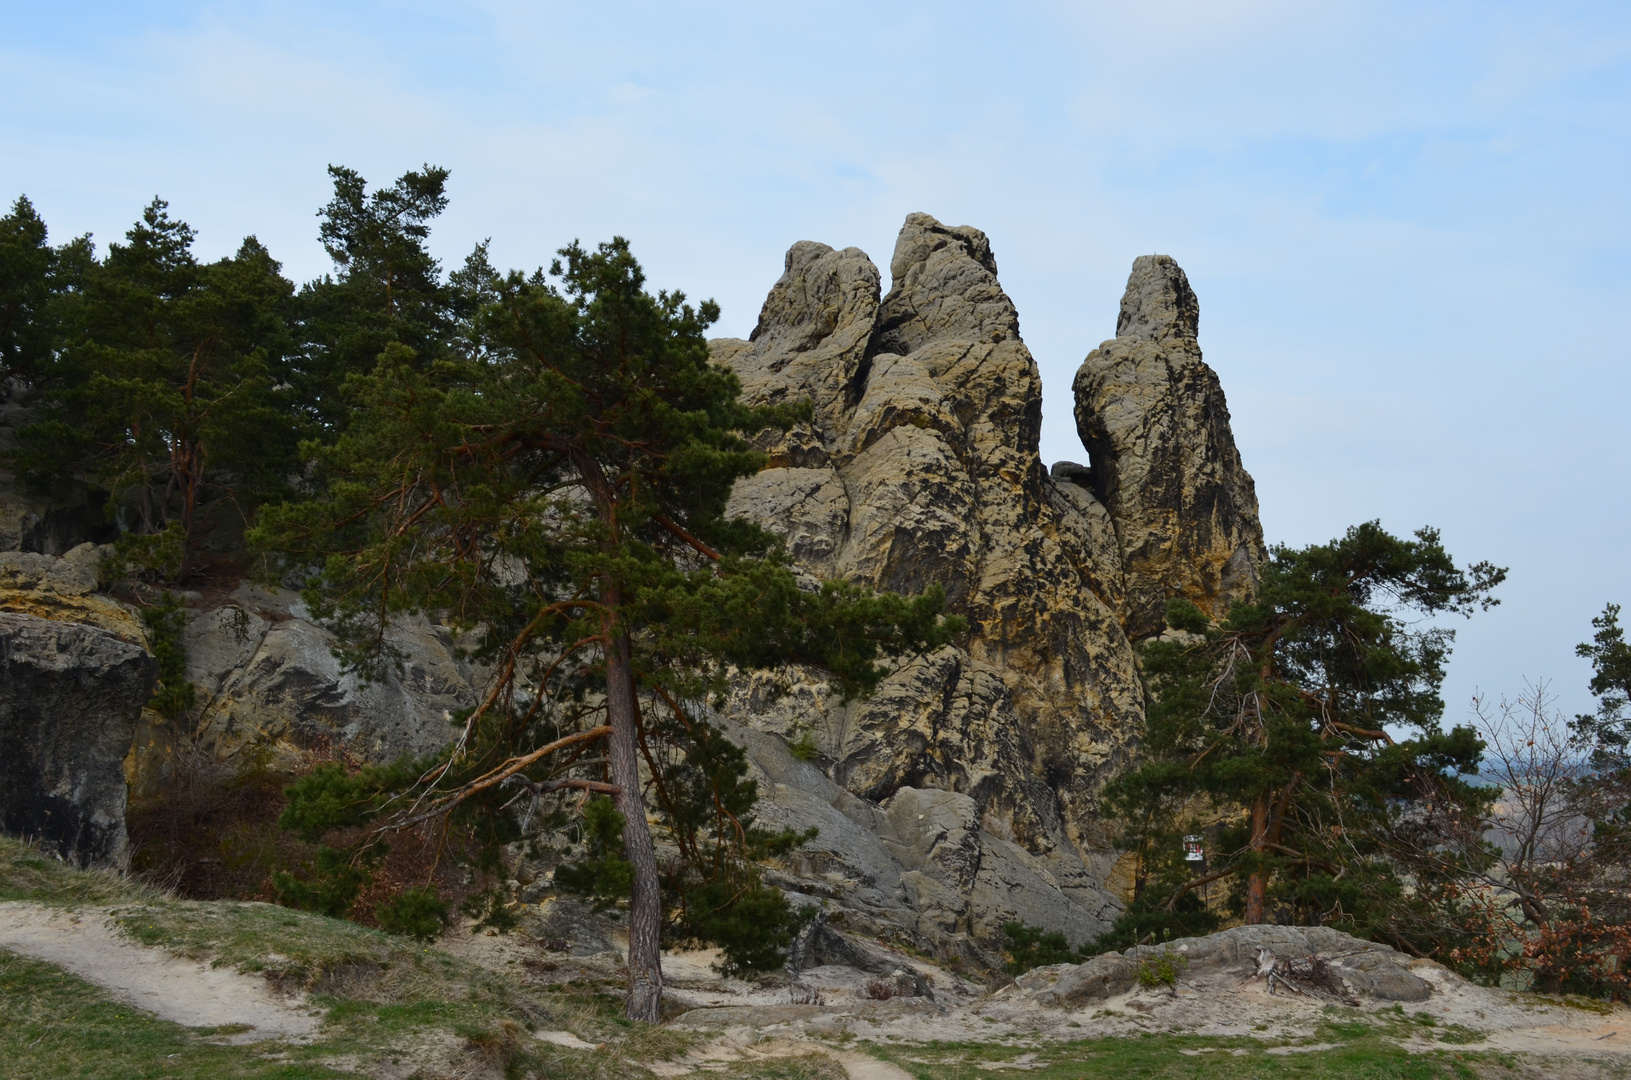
(1351, 966)
(962, 794)
(1163, 460)
(975, 770)
(74, 675)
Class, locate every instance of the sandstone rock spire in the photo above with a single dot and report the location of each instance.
(1153, 418)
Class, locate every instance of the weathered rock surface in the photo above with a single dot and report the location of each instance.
(70, 694)
(1163, 459)
(265, 671)
(963, 793)
(74, 675)
(1365, 967)
(976, 769)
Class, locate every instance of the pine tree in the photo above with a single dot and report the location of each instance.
(1607, 733)
(387, 288)
(27, 265)
(1305, 731)
(557, 491)
(158, 381)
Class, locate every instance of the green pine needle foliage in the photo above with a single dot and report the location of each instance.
(166, 622)
(1305, 732)
(417, 913)
(1030, 947)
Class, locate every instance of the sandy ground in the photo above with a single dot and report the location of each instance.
(775, 1018)
(188, 992)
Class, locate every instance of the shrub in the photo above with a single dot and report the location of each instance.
(1032, 947)
(884, 989)
(803, 745)
(417, 913)
(166, 621)
(1161, 969)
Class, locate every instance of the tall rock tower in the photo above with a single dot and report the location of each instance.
(1152, 416)
(963, 794)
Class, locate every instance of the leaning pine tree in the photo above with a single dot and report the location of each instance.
(1304, 734)
(558, 493)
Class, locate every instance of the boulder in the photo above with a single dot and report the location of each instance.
(1072, 986)
(70, 695)
(1365, 967)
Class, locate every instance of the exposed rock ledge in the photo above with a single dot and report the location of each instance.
(1364, 967)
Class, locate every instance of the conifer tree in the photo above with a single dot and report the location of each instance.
(1305, 730)
(387, 289)
(557, 491)
(158, 380)
(27, 266)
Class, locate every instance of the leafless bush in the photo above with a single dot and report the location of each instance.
(884, 989)
(798, 994)
(1310, 976)
(1553, 905)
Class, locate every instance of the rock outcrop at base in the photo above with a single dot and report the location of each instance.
(1360, 967)
(74, 675)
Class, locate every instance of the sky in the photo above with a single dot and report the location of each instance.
(1407, 223)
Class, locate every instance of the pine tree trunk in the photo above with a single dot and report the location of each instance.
(1257, 885)
(645, 901)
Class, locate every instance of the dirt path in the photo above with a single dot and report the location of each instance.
(187, 992)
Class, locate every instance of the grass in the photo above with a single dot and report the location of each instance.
(384, 998)
(1367, 1056)
(390, 1005)
(25, 874)
(53, 1025)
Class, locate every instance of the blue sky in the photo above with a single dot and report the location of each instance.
(1407, 223)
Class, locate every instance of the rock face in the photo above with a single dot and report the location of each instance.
(1363, 967)
(265, 671)
(74, 675)
(1164, 463)
(963, 794)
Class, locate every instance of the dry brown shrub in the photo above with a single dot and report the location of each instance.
(209, 831)
(884, 989)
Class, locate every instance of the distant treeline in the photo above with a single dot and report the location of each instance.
(182, 390)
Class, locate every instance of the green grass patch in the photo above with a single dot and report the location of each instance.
(54, 1025)
(1365, 1055)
